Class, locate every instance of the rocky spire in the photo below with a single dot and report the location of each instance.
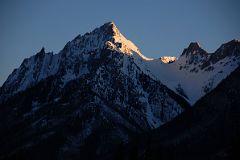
(194, 49)
(42, 50)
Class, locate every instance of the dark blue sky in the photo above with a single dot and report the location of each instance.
(157, 27)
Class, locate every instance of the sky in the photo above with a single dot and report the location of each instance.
(157, 27)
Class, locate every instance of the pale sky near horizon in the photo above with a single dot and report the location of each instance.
(157, 27)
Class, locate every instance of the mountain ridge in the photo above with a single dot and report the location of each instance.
(193, 60)
(196, 66)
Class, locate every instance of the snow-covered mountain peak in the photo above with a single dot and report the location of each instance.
(120, 42)
(105, 36)
(168, 59)
(107, 29)
(193, 54)
(42, 50)
(194, 49)
(194, 45)
(111, 26)
(97, 39)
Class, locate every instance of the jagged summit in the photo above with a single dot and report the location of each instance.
(194, 45)
(105, 36)
(110, 26)
(107, 29)
(42, 50)
(117, 38)
(126, 45)
(194, 48)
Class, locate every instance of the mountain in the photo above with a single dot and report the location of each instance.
(43, 65)
(110, 63)
(209, 130)
(194, 65)
(91, 96)
(196, 72)
(98, 93)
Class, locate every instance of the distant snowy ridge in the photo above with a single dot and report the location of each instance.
(168, 59)
(197, 72)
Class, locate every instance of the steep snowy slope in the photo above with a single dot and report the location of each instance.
(32, 70)
(197, 72)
